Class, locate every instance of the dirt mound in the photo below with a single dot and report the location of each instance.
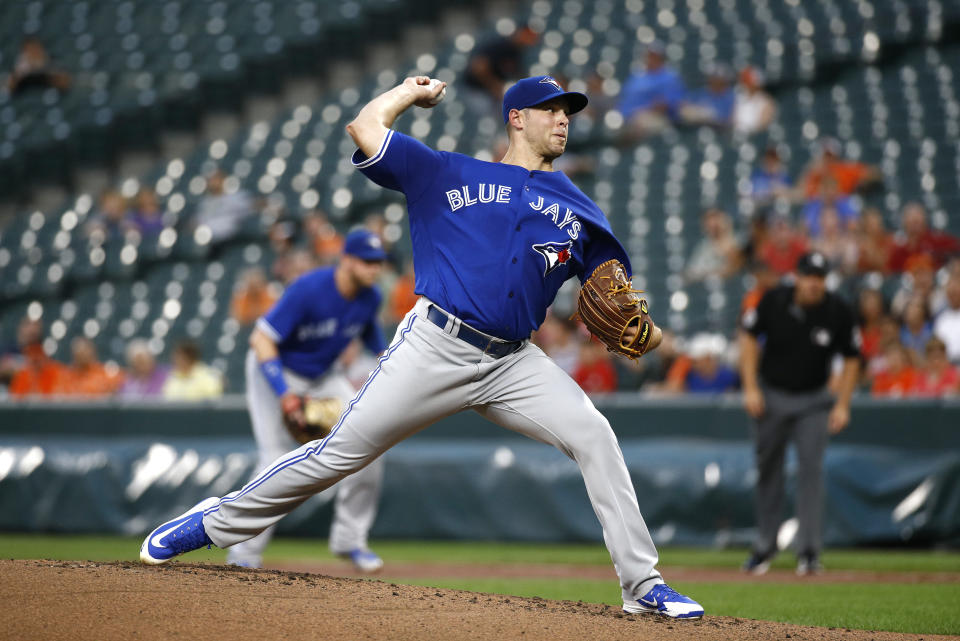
(86, 600)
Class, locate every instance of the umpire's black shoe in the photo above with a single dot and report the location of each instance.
(757, 564)
(808, 564)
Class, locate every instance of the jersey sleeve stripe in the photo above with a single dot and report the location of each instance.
(268, 329)
(377, 156)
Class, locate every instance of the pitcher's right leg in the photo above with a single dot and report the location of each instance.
(416, 382)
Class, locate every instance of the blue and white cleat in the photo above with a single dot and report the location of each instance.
(365, 560)
(179, 535)
(664, 600)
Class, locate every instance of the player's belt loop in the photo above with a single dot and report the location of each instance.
(489, 345)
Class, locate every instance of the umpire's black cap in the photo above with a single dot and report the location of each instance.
(813, 264)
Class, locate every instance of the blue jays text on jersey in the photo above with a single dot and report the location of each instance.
(492, 242)
(312, 323)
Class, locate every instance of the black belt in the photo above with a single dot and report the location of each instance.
(491, 345)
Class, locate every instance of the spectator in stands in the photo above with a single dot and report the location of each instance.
(919, 281)
(937, 377)
(144, 377)
(650, 98)
(764, 279)
(38, 374)
(889, 334)
(946, 326)
(222, 212)
(716, 254)
(783, 246)
(829, 197)
(874, 242)
(402, 297)
(916, 329)
(898, 378)
(836, 242)
(937, 299)
(280, 236)
(253, 297)
(708, 374)
(191, 380)
(849, 175)
(322, 237)
(113, 218)
(753, 109)
(558, 338)
(493, 64)
(917, 239)
(86, 376)
(711, 105)
(295, 263)
(594, 372)
(770, 180)
(34, 70)
(147, 215)
(870, 311)
(755, 239)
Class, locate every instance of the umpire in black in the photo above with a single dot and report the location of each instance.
(786, 352)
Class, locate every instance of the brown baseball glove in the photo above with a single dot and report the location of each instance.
(308, 419)
(610, 308)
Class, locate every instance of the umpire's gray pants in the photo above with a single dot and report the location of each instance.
(802, 418)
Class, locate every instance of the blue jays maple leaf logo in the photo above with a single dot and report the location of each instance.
(554, 255)
(547, 80)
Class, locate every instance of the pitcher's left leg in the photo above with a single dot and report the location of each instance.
(531, 395)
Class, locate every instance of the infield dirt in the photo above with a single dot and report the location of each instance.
(122, 600)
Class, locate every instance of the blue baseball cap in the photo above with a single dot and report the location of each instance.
(530, 92)
(364, 244)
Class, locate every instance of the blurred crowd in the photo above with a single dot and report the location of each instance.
(910, 332)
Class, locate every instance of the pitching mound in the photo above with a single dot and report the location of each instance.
(87, 600)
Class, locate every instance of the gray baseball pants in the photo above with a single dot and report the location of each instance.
(801, 418)
(425, 375)
(355, 505)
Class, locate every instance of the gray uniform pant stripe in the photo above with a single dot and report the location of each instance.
(801, 418)
(426, 375)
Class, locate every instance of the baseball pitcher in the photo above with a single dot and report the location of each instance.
(492, 244)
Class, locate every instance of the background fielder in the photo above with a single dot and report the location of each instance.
(492, 244)
(293, 350)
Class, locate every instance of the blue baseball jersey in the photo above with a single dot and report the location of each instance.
(313, 323)
(492, 243)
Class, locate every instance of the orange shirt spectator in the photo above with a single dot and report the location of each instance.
(937, 377)
(39, 375)
(595, 373)
(402, 298)
(92, 380)
(848, 174)
(253, 297)
(899, 378)
(86, 376)
(676, 379)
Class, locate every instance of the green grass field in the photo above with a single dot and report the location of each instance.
(924, 608)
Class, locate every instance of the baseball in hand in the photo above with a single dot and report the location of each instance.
(443, 92)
